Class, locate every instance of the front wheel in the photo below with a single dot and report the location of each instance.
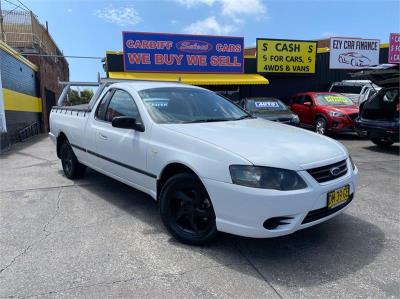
(320, 125)
(382, 142)
(70, 164)
(186, 210)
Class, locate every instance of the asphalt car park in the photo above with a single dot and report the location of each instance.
(96, 237)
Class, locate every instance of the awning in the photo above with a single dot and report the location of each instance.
(194, 79)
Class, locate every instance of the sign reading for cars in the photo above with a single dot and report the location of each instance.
(394, 48)
(161, 52)
(286, 56)
(353, 53)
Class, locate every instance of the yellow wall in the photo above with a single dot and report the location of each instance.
(21, 102)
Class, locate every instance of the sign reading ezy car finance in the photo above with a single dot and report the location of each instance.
(286, 56)
(161, 52)
(353, 53)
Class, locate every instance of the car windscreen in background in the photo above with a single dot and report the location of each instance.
(333, 100)
(265, 105)
(346, 89)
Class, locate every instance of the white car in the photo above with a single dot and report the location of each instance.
(210, 165)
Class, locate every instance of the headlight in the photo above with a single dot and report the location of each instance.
(336, 114)
(352, 163)
(266, 177)
(295, 119)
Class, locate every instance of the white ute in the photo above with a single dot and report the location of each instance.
(210, 165)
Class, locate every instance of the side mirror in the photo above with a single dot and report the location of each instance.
(127, 122)
(308, 104)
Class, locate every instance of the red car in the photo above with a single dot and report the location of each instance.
(325, 111)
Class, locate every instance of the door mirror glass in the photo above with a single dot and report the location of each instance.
(127, 122)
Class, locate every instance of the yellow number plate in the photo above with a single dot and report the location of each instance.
(338, 196)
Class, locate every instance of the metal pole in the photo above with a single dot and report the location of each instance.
(1, 24)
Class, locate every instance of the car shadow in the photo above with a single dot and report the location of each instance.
(392, 150)
(329, 251)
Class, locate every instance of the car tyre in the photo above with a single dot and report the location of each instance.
(70, 164)
(186, 210)
(320, 125)
(382, 142)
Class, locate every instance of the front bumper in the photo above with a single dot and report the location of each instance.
(341, 125)
(242, 210)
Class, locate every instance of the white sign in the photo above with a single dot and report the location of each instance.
(353, 53)
(3, 128)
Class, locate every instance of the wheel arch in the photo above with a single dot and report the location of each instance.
(170, 170)
(60, 140)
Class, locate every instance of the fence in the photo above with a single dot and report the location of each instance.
(21, 29)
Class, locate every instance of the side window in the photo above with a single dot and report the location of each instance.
(298, 100)
(307, 99)
(121, 104)
(101, 109)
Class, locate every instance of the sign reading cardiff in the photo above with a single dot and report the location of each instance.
(286, 56)
(161, 52)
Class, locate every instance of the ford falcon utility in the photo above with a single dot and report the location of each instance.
(210, 165)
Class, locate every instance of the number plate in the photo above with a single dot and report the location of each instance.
(338, 196)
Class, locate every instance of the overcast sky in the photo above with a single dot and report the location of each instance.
(89, 28)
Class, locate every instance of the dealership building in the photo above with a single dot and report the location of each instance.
(249, 83)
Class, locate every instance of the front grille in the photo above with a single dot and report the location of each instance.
(315, 215)
(353, 116)
(324, 174)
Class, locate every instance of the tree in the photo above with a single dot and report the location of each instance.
(76, 97)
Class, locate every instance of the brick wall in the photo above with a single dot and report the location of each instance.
(50, 71)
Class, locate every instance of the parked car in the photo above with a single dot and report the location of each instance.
(379, 115)
(271, 109)
(357, 90)
(325, 111)
(209, 164)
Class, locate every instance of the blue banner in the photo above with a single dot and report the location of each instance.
(161, 52)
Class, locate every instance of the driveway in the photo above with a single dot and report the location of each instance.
(97, 238)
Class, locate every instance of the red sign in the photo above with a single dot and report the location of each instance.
(394, 48)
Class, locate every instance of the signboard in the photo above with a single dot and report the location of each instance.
(3, 127)
(161, 52)
(353, 53)
(394, 48)
(286, 56)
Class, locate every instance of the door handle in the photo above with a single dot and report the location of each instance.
(104, 137)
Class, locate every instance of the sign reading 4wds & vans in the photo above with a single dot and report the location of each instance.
(286, 56)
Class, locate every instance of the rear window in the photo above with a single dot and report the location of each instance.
(346, 89)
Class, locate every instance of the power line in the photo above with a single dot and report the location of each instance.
(24, 5)
(65, 56)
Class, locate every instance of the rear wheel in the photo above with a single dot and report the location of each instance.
(72, 168)
(320, 125)
(187, 211)
(382, 142)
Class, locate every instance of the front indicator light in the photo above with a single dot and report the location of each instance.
(266, 177)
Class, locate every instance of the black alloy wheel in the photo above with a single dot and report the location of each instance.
(70, 164)
(186, 210)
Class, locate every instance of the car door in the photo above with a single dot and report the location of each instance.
(298, 108)
(123, 150)
(308, 110)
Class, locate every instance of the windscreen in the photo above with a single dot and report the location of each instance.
(265, 105)
(346, 89)
(188, 105)
(333, 100)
